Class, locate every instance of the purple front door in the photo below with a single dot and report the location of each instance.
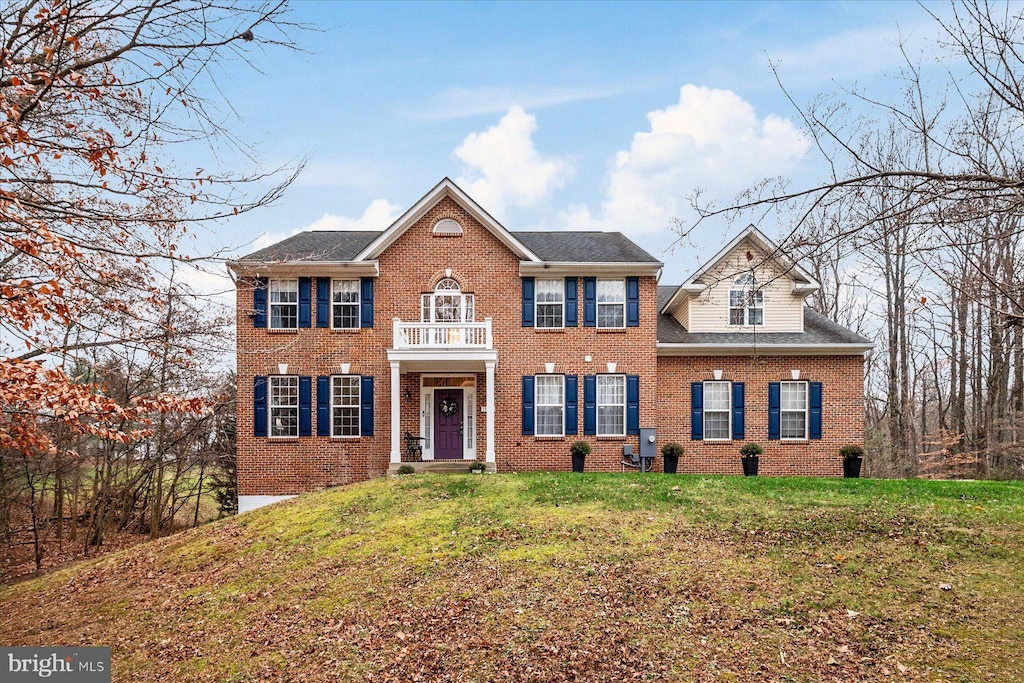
(448, 424)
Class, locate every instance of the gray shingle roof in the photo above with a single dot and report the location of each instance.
(817, 330)
(316, 245)
(584, 247)
(344, 245)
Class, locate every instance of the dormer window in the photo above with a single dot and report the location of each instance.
(746, 302)
(448, 227)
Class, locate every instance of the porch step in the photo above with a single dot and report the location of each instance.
(442, 467)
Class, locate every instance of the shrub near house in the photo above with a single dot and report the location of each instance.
(507, 347)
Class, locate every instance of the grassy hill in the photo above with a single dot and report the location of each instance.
(551, 577)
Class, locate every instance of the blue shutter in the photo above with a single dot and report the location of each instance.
(738, 429)
(774, 407)
(366, 311)
(528, 303)
(590, 302)
(259, 406)
(632, 302)
(527, 405)
(305, 301)
(305, 406)
(323, 302)
(259, 302)
(632, 404)
(696, 411)
(323, 406)
(571, 303)
(572, 409)
(366, 403)
(814, 423)
(590, 404)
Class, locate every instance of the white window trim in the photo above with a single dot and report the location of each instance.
(359, 407)
(537, 303)
(536, 405)
(728, 410)
(598, 304)
(807, 411)
(747, 289)
(464, 307)
(271, 405)
(271, 304)
(598, 405)
(358, 304)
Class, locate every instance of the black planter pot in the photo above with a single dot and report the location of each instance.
(671, 463)
(577, 462)
(851, 467)
(750, 463)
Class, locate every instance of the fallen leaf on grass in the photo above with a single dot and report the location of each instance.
(946, 586)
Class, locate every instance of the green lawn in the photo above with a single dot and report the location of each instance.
(561, 577)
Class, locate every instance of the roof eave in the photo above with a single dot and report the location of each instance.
(305, 268)
(561, 268)
(747, 349)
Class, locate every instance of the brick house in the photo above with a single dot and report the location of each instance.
(450, 333)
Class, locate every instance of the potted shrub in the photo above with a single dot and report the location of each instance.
(853, 457)
(750, 453)
(476, 467)
(670, 452)
(579, 450)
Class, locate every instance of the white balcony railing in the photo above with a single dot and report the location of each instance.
(442, 335)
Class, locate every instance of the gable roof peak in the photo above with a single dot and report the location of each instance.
(445, 188)
(773, 253)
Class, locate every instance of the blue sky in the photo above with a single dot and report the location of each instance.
(552, 115)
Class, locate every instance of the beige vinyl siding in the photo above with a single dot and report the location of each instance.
(682, 314)
(709, 310)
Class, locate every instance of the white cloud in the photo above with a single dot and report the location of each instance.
(378, 215)
(505, 167)
(711, 139)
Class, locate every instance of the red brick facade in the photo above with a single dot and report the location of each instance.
(486, 267)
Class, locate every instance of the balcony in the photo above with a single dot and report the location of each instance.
(439, 336)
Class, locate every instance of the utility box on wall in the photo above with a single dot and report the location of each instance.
(648, 443)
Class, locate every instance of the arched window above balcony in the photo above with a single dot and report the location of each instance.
(447, 304)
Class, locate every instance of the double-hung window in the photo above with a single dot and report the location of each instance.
(611, 303)
(716, 411)
(284, 304)
(345, 304)
(793, 414)
(611, 405)
(550, 303)
(345, 405)
(550, 405)
(284, 405)
(746, 302)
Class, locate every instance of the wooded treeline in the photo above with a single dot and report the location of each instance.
(116, 411)
(916, 239)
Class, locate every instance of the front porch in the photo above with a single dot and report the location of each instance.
(441, 467)
(442, 379)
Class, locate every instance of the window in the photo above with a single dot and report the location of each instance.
(284, 304)
(611, 303)
(550, 303)
(717, 426)
(550, 405)
(746, 302)
(345, 405)
(793, 414)
(345, 304)
(284, 406)
(447, 304)
(447, 226)
(611, 405)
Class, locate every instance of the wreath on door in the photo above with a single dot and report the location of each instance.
(448, 407)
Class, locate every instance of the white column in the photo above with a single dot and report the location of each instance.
(396, 414)
(490, 412)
